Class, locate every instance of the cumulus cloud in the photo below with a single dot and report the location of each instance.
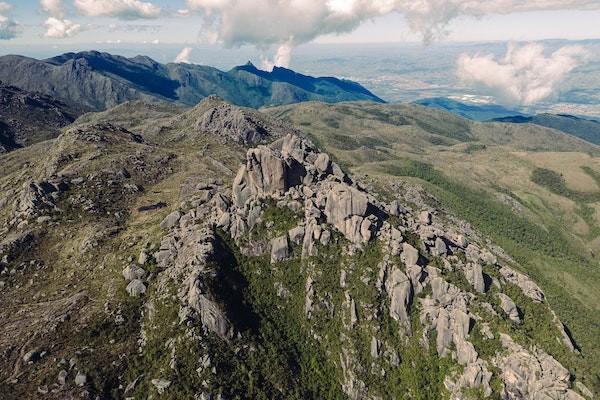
(184, 56)
(525, 75)
(57, 26)
(268, 22)
(53, 7)
(125, 9)
(9, 28)
(282, 58)
(60, 28)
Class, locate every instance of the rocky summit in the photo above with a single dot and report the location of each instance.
(219, 253)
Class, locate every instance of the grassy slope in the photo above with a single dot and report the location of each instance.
(485, 173)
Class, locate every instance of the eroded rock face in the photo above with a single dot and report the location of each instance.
(418, 277)
(280, 249)
(532, 375)
(509, 307)
(529, 288)
(400, 291)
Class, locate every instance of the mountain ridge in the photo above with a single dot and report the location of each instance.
(97, 81)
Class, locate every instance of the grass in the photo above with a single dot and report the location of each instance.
(543, 253)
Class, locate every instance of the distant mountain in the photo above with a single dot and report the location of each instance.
(27, 118)
(477, 112)
(97, 81)
(586, 129)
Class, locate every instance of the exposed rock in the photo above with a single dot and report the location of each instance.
(62, 377)
(136, 288)
(345, 209)
(410, 255)
(296, 234)
(529, 288)
(439, 249)
(171, 220)
(400, 292)
(161, 385)
(80, 379)
(280, 249)
(132, 272)
(31, 356)
(535, 375)
(425, 218)
(474, 275)
(322, 163)
(509, 307)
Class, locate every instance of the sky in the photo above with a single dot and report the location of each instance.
(166, 27)
(276, 28)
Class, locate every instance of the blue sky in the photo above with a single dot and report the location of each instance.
(568, 24)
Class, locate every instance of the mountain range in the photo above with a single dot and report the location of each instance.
(350, 250)
(94, 81)
(584, 128)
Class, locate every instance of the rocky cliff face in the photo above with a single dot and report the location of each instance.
(139, 268)
(442, 291)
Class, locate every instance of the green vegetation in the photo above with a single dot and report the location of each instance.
(543, 253)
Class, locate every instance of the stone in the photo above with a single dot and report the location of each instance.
(395, 209)
(132, 272)
(474, 275)
(161, 385)
(509, 307)
(425, 218)
(80, 379)
(136, 288)
(439, 249)
(322, 163)
(410, 255)
(345, 208)
(374, 347)
(400, 292)
(465, 352)
(280, 249)
(532, 374)
(171, 220)
(325, 238)
(460, 241)
(143, 257)
(31, 356)
(296, 234)
(62, 377)
(529, 288)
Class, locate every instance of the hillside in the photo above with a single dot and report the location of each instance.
(586, 129)
(27, 118)
(476, 112)
(533, 190)
(151, 251)
(96, 81)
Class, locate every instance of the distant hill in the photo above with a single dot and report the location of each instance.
(586, 129)
(27, 118)
(97, 81)
(476, 112)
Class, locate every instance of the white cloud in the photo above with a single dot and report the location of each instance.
(184, 12)
(125, 9)
(9, 28)
(60, 28)
(267, 22)
(4, 7)
(53, 7)
(524, 76)
(184, 56)
(282, 58)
